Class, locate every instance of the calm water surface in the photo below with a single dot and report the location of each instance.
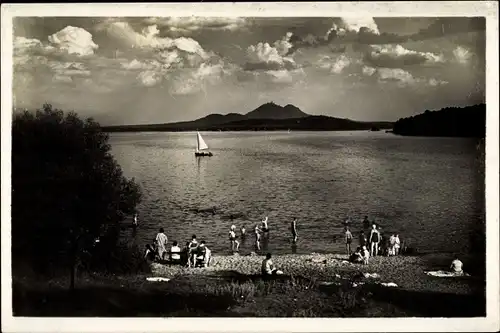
(426, 189)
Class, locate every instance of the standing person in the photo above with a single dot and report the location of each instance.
(243, 232)
(135, 221)
(347, 221)
(362, 239)
(397, 245)
(366, 223)
(348, 240)
(161, 241)
(374, 240)
(265, 228)
(232, 239)
(257, 236)
(293, 229)
(392, 246)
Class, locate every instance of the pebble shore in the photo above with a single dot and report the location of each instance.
(405, 271)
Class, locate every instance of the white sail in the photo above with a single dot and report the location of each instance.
(201, 145)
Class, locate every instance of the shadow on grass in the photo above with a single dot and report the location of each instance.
(117, 302)
(429, 304)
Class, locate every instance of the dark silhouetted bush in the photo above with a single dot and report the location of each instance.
(67, 190)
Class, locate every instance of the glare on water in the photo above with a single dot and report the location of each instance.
(425, 189)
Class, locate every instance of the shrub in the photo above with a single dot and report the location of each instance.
(67, 189)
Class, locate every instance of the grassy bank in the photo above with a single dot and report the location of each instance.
(311, 287)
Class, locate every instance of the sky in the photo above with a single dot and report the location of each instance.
(143, 70)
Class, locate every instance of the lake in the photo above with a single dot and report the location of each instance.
(426, 189)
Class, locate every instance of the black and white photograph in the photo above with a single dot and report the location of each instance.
(166, 163)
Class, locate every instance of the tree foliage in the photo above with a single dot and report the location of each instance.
(469, 121)
(67, 189)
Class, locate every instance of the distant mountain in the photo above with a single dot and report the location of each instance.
(269, 116)
(274, 111)
(469, 121)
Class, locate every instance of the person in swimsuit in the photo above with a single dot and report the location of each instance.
(193, 246)
(232, 238)
(374, 240)
(397, 245)
(348, 240)
(265, 227)
(257, 236)
(293, 229)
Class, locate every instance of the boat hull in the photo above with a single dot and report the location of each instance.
(203, 154)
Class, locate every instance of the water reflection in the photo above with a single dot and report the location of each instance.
(294, 247)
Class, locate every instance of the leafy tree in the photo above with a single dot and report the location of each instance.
(67, 189)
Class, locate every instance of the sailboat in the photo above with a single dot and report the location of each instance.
(201, 146)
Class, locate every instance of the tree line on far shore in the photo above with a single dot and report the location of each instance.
(468, 121)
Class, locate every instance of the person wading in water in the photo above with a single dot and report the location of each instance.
(293, 229)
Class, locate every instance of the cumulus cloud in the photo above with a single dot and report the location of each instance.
(334, 64)
(461, 54)
(435, 82)
(398, 75)
(285, 76)
(149, 78)
(195, 23)
(266, 57)
(397, 56)
(69, 69)
(189, 82)
(74, 40)
(368, 71)
(149, 38)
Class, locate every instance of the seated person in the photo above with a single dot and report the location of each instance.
(357, 256)
(175, 253)
(203, 255)
(457, 266)
(149, 253)
(268, 268)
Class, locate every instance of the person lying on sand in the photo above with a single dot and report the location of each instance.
(357, 256)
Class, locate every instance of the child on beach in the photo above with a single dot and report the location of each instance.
(348, 240)
(374, 240)
(392, 245)
(366, 255)
(232, 238)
